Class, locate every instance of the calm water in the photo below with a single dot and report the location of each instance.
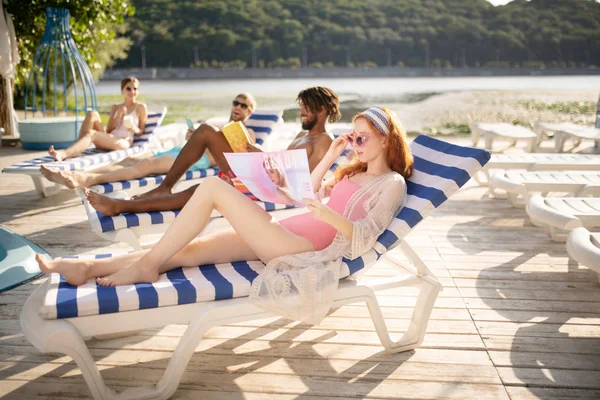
(365, 88)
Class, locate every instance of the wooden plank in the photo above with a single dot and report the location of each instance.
(564, 361)
(535, 316)
(541, 345)
(524, 294)
(544, 377)
(363, 385)
(315, 367)
(532, 305)
(116, 354)
(549, 394)
(538, 330)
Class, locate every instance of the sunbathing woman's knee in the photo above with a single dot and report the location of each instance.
(122, 144)
(93, 116)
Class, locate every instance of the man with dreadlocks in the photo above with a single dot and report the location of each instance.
(317, 105)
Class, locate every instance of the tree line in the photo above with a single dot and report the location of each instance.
(348, 33)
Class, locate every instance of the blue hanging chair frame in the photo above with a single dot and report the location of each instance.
(58, 45)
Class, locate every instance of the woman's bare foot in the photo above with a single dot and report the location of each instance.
(74, 271)
(128, 276)
(62, 177)
(58, 155)
(159, 191)
(105, 205)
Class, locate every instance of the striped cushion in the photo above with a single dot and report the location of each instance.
(440, 170)
(103, 223)
(262, 123)
(93, 156)
(150, 181)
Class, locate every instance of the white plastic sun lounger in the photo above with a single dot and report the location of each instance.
(506, 131)
(521, 185)
(91, 158)
(58, 317)
(262, 122)
(577, 134)
(584, 247)
(132, 228)
(538, 162)
(559, 215)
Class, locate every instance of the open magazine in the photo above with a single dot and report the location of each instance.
(277, 177)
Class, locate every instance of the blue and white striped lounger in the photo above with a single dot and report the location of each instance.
(58, 316)
(91, 158)
(262, 122)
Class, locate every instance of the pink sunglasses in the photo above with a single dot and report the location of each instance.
(359, 141)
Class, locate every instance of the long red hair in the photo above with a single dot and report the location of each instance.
(399, 156)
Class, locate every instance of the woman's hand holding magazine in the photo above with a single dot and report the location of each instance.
(279, 177)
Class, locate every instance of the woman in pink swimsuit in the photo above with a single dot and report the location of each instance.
(364, 197)
(125, 121)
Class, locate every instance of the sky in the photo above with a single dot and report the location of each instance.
(499, 2)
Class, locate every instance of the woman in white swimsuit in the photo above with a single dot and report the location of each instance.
(126, 120)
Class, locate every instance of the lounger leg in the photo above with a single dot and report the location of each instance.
(489, 140)
(41, 189)
(482, 177)
(559, 142)
(414, 335)
(539, 131)
(531, 145)
(516, 200)
(123, 235)
(475, 135)
(58, 336)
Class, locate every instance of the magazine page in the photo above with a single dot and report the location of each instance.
(281, 177)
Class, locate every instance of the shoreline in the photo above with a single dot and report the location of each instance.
(337, 72)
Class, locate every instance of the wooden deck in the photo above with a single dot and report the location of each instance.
(517, 320)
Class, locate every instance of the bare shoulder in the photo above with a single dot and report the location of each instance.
(324, 138)
(301, 135)
(322, 142)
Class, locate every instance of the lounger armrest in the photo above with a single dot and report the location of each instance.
(538, 210)
(390, 283)
(500, 181)
(581, 249)
(589, 190)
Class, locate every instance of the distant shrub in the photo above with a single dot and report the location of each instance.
(292, 63)
(534, 64)
(498, 64)
(368, 64)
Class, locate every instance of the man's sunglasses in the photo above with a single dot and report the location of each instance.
(237, 103)
(129, 89)
(359, 141)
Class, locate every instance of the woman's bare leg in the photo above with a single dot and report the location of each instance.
(83, 179)
(142, 168)
(219, 247)
(264, 235)
(91, 123)
(106, 141)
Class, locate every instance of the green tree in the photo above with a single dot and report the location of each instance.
(95, 27)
